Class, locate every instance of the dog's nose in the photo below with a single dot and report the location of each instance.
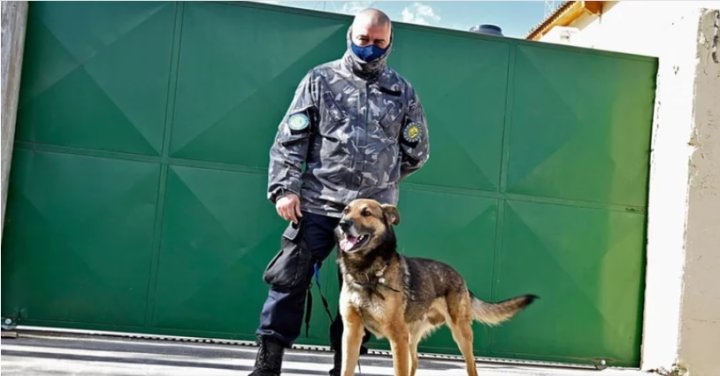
(345, 224)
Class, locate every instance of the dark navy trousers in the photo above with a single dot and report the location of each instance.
(282, 313)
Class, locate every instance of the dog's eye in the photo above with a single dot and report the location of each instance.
(366, 212)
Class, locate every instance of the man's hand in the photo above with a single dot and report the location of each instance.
(288, 207)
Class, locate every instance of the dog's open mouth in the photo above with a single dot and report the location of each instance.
(348, 242)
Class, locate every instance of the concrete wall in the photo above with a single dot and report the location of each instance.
(699, 345)
(681, 325)
(14, 18)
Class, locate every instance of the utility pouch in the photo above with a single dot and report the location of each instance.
(292, 265)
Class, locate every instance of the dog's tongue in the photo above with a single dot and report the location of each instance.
(348, 242)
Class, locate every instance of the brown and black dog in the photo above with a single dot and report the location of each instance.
(403, 298)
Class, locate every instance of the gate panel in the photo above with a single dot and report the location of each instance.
(587, 266)
(239, 72)
(83, 67)
(81, 235)
(216, 241)
(579, 128)
(463, 87)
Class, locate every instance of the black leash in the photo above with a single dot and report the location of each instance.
(308, 305)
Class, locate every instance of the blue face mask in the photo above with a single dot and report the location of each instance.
(367, 53)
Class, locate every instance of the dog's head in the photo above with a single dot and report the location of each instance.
(366, 225)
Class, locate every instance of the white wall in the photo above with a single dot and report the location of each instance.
(682, 297)
(699, 347)
(14, 18)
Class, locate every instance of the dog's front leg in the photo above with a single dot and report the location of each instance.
(400, 346)
(351, 339)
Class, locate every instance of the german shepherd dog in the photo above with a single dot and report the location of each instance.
(403, 298)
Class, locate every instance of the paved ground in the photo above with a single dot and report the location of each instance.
(39, 353)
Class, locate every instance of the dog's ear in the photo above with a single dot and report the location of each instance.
(391, 214)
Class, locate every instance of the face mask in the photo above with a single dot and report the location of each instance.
(369, 52)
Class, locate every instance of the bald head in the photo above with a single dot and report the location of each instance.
(371, 26)
(372, 16)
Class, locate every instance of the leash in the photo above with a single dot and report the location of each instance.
(316, 267)
(308, 305)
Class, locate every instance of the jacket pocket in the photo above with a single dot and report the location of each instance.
(292, 266)
(390, 121)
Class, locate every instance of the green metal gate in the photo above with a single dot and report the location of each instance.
(137, 204)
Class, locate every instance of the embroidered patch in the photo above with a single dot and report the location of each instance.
(412, 133)
(298, 122)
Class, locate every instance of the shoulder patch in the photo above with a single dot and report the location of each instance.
(412, 133)
(298, 122)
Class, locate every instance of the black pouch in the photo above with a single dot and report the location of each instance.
(291, 267)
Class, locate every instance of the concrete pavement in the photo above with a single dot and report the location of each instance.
(45, 353)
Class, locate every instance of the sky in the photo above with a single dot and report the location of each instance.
(516, 18)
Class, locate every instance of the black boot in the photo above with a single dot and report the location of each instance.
(269, 358)
(337, 363)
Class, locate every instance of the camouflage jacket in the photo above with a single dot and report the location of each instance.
(353, 130)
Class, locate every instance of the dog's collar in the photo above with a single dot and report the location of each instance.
(373, 284)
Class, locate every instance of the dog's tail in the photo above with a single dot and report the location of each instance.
(495, 313)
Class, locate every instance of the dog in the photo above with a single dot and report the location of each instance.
(403, 298)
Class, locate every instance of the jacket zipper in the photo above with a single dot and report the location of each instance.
(367, 112)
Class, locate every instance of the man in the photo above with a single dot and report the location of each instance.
(358, 129)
